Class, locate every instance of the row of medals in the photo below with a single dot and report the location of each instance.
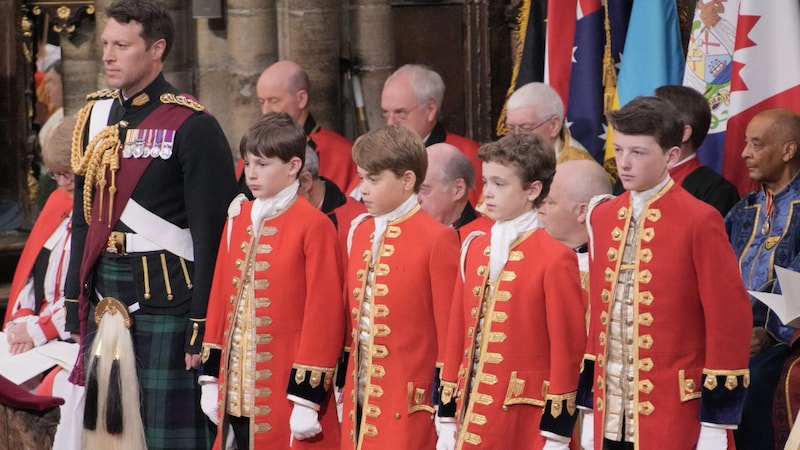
(142, 149)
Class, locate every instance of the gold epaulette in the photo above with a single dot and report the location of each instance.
(182, 101)
(103, 93)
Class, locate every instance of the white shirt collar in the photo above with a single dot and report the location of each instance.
(639, 198)
(266, 207)
(503, 234)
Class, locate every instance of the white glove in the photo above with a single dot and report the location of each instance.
(304, 422)
(447, 434)
(587, 430)
(208, 400)
(712, 438)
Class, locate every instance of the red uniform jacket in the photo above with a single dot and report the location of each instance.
(532, 344)
(692, 318)
(336, 159)
(293, 265)
(413, 286)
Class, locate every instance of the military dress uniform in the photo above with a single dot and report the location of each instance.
(669, 330)
(515, 344)
(398, 301)
(145, 231)
(276, 322)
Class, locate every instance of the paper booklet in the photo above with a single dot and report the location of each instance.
(21, 368)
(786, 305)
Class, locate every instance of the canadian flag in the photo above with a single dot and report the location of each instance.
(765, 74)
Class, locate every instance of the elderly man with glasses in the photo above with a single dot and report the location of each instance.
(412, 98)
(537, 108)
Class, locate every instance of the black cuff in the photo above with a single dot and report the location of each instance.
(435, 390)
(723, 395)
(560, 414)
(447, 399)
(341, 369)
(210, 361)
(195, 332)
(585, 384)
(310, 383)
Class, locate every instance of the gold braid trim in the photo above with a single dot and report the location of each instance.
(182, 101)
(100, 154)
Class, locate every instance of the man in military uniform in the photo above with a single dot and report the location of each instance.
(154, 178)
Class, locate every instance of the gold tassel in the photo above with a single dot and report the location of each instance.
(100, 154)
(609, 71)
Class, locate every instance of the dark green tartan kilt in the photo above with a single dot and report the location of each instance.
(170, 395)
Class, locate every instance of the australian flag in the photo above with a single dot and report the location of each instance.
(585, 104)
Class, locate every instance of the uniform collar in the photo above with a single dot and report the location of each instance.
(148, 95)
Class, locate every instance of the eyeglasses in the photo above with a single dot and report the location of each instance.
(525, 128)
(65, 174)
(398, 114)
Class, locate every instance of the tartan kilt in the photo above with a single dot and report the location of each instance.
(170, 395)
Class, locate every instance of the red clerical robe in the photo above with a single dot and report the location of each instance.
(411, 281)
(531, 328)
(470, 149)
(293, 266)
(55, 210)
(336, 159)
(691, 318)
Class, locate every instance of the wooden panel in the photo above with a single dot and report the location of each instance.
(433, 34)
(15, 98)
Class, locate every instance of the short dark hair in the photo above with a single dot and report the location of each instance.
(649, 116)
(693, 108)
(533, 158)
(392, 148)
(274, 135)
(151, 14)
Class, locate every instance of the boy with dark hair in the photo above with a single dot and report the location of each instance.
(517, 329)
(688, 172)
(400, 278)
(668, 334)
(275, 317)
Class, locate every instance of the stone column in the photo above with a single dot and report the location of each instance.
(372, 50)
(178, 66)
(309, 33)
(79, 62)
(231, 53)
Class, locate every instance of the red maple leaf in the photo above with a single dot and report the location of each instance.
(744, 26)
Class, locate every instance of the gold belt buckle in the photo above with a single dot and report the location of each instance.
(116, 243)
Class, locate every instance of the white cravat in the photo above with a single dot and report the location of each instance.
(266, 207)
(638, 199)
(383, 220)
(503, 234)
